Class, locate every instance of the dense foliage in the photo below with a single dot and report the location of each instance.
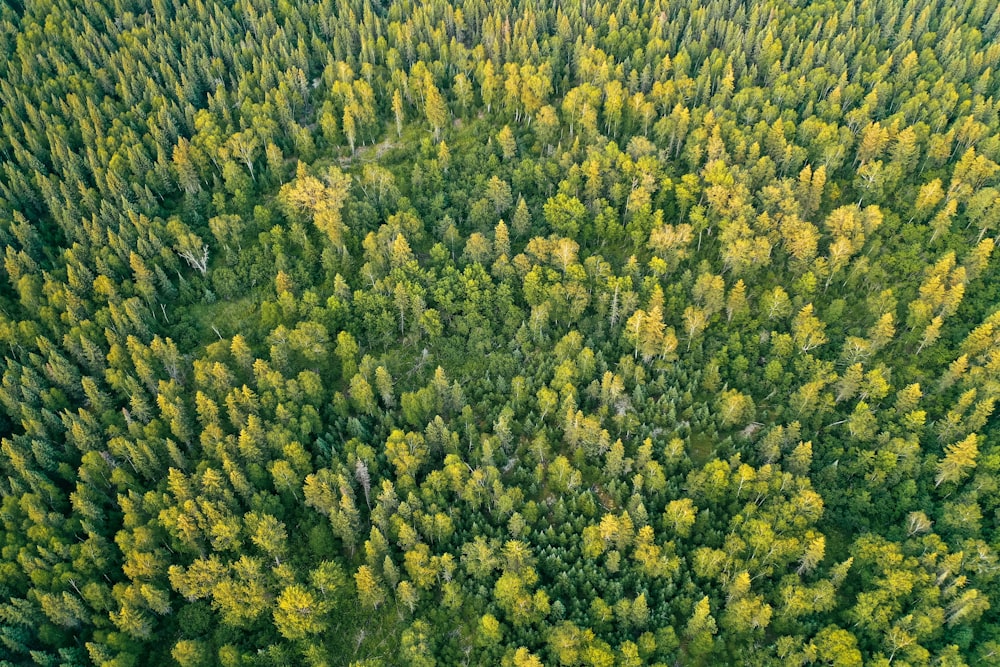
(577, 333)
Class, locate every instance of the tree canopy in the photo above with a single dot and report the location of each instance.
(465, 333)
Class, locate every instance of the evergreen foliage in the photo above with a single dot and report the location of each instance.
(509, 333)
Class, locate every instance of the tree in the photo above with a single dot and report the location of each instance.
(501, 239)
(735, 408)
(521, 222)
(189, 246)
(837, 646)
(514, 597)
(407, 595)
(737, 303)
(268, 534)
(808, 330)
(523, 658)
(499, 193)
(959, 459)
(680, 516)
(478, 248)
(444, 156)
(507, 143)
(384, 385)
(700, 629)
(299, 613)
(398, 112)
(414, 649)
(362, 395)
(434, 108)
(189, 653)
(370, 591)
(695, 321)
(133, 621)
(244, 146)
(347, 351)
(407, 452)
(646, 332)
(479, 558)
(328, 578)
(322, 200)
(547, 125)
(565, 215)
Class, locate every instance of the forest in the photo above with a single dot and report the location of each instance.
(369, 333)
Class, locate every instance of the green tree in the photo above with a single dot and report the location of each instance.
(435, 109)
(565, 215)
(370, 591)
(298, 613)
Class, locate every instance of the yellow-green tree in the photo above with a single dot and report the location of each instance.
(298, 613)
